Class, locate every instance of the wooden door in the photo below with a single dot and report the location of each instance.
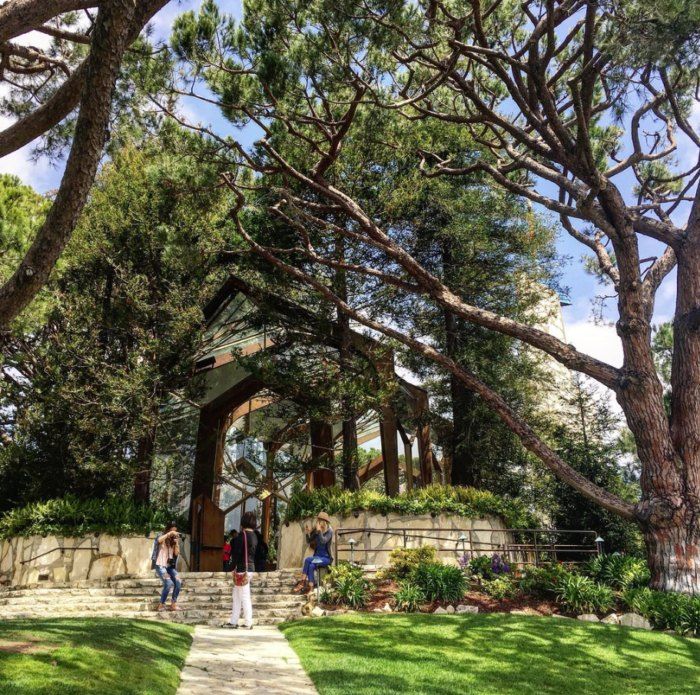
(207, 535)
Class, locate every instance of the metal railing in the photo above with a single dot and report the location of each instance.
(517, 546)
(61, 548)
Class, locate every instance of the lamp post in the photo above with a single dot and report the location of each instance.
(352, 542)
(599, 545)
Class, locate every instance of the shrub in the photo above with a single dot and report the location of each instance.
(666, 610)
(580, 594)
(440, 582)
(409, 597)
(499, 565)
(480, 566)
(403, 561)
(501, 588)
(70, 516)
(346, 585)
(433, 499)
(618, 571)
(542, 580)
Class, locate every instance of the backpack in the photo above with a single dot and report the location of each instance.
(154, 553)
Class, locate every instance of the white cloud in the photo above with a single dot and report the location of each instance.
(598, 340)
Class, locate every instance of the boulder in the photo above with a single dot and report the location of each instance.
(387, 608)
(318, 612)
(377, 610)
(588, 617)
(450, 609)
(439, 611)
(467, 609)
(635, 620)
(612, 619)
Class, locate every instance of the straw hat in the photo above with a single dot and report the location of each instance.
(323, 517)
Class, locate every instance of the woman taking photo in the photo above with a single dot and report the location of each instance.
(243, 564)
(166, 554)
(319, 539)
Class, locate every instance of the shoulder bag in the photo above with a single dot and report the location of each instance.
(241, 578)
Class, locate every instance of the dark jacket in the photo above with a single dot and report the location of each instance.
(321, 542)
(237, 551)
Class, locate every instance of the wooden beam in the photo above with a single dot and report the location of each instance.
(408, 456)
(390, 450)
(322, 443)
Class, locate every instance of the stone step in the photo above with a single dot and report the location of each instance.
(145, 583)
(188, 617)
(207, 593)
(204, 599)
(221, 613)
(185, 604)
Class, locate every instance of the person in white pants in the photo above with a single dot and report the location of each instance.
(243, 560)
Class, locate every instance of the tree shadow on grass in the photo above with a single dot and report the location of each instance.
(106, 655)
(491, 654)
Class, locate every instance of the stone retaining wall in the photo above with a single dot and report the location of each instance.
(374, 548)
(36, 559)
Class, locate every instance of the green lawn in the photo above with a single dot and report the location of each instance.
(490, 654)
(85, 656)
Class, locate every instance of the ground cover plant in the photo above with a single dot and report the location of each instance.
(480, 654)
(432, 499)
(70, 516)
(85, 656)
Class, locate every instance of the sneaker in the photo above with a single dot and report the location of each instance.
(231, 626)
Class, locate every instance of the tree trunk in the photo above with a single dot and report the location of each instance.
(464, 467)
(350, 479)
(673, 552)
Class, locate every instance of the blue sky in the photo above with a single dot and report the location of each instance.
(598, 340)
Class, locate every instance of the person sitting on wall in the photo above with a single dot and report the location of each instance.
(166, 550)
(319, 539)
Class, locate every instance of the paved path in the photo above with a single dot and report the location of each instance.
(242, 661)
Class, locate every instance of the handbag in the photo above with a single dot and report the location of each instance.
(241, 578)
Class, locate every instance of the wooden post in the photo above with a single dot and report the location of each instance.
(322, 444)
(390, 450)
(408, 457)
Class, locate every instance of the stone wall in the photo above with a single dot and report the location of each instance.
(36, 559)
(373, 548)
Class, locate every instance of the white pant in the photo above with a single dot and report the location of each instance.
(241, 598)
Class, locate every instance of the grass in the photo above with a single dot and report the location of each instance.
(85, 656)
(490, 653)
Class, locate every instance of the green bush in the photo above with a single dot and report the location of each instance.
(409, 597)
(543, 580)
(580, 594)
(501, 588)
(618, 571)
(433, 499)
(70, 516)
(480, 566)
(403, 561)
(346, 585)
(666, 610)
(440, 582)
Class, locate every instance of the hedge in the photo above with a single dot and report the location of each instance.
(70, 516)
(433, 499)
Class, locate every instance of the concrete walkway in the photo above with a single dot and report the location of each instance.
(242, 661)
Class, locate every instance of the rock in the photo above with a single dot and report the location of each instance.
(318, 612)
(439, 611)
(450, 609)
(588, 617)
(377, 610)
(559, 615)
(387, 608)
(467, 609)
(519, 612)
(612, 619)
(635, 620)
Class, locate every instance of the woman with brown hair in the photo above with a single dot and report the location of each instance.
(166, 551)
(319, 539)
(243, 564)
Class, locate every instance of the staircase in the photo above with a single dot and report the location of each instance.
(205, 598)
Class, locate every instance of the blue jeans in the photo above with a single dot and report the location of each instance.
(168, 575)
(312, 562)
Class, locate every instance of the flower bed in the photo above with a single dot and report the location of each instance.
(415, 580)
